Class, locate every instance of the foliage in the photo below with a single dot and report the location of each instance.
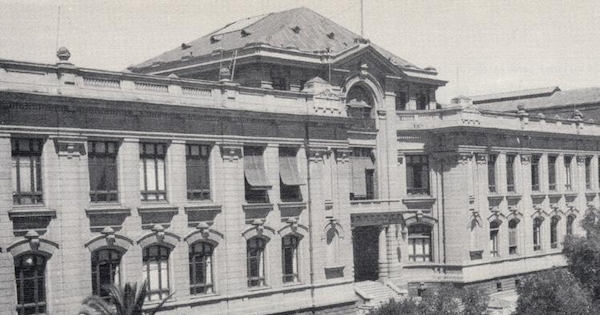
(553, 292)
(126, 300)
(445, 300)
(583, 253)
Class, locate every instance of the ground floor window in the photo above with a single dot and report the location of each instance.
(419, 243)
(537, 235)
(554, 231)
(289, 250)
(201, 268)
(156, 271)
(256, 262)
(570, 220)
(105, 270)
(494, 230)
(30, 274)
(513, 236)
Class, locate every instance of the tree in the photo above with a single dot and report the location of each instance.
(553, 292)
(583, 253)
(126, 300)
(444, 300)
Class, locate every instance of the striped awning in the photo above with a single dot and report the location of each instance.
(288, 170)
(254, 170)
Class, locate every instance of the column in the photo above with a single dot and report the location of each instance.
(383, 261)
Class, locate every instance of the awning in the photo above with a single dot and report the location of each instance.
(288, 171)
(254, 170)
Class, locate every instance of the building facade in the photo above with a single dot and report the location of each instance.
(281, 164)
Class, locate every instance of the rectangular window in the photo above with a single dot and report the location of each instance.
(102, 165)
(588, 172)
(280, 83)
(197, 171)
(512, 237)
(419, 243)
(535, 173)
(256, 182)
(568, 173)
(552, 172)
(289, 250)
(201, 268)
(510, 173)
(494, 230)
(401, 100)
(537, 235)
(156, 271)
(363, 170)
(491, 167)
(30, 276)
(554, 232)
(256, 262)
(27, 171)
(289, 176)
(417, 174)
(152, 171)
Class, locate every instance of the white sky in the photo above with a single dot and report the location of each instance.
(479, 46)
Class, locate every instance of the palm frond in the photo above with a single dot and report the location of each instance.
(96, 304)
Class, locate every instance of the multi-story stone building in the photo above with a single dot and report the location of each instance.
(280, 164)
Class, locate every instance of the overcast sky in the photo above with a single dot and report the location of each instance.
(479, 46)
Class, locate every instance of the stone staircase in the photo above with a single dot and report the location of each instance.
(372, 294)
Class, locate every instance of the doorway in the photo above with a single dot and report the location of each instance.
(365, 244)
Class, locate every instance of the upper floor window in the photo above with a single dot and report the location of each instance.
(359, 102)
(289, 176)
(419, 243)
(570, 220)
(588, 172)
(552, 172)
(510, 173)
(513, 236)
(417, 174)
(422, 100)
(363, 171)
(106, 270)
(197, 171)
(537, 235)
(152, 171)
(494, 230)
(102, 165)
(30, 276)
(156, 271)
(401, 100)
(256, 182)
(256, 261)
(535, 173)
(491, 170)
(289, 250)
(568, 173)
(201, 268)
(27, 171)
(280, 83)
(554, 231)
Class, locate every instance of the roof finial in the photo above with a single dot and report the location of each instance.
(63, 54)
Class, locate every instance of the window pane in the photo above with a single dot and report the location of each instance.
(161, 174)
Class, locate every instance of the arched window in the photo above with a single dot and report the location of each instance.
(513, 236)
(570, 220)
(494, 231)
(332, 247)
(156, 271)
(359, 102)
(554, 231)
(537, 235)
(201, 268)
(419, 243)
(256, 262)
(106, 269)
(30, 274)
(289, 249)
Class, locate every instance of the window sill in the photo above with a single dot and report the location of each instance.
(31, 211)
(570, 193)
(292, 204)
(157, 208)
(198, 206)
(590, 194)
(107, 208)
(257, 206)
(202, 296)
(335, 267)
(261, 288)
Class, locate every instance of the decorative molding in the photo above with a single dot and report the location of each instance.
(342, 155)
(525, 158)
(70, 147)
(293, 228)
(332, 223)
(419, 217)
(259, 229)
(109, 239)
(581, 159)
(31, 212)
(482, 158)
(231, 152)
(204, 233)
(316, 154)
(32, 243)
(107, 209)
(159, 236)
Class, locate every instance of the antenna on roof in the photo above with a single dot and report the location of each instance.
(362, 30)
(57, 28)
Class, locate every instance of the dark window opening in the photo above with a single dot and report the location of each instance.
(256, 262)
(491, 167)
(102, 164)
(401, 100)
(552, 172)
(363, 174)
(106, 270)
(535, 173)
(201, 268)
(27, 171)
(152, 171)
(30, 276)
(417, 174)
(510, 173)
(289, 249)
(197, 171)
